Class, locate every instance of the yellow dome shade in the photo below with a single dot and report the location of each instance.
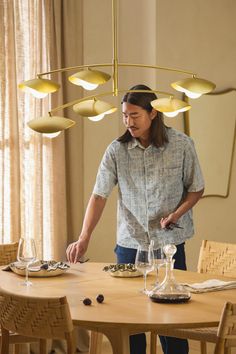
(92, 108)
(49, 124)
(194, 87)
(39, 87)
(89, 79)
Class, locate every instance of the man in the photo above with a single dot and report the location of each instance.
(159, 181)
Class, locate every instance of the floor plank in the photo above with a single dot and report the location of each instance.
(194, 347)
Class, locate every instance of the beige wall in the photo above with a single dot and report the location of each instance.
(195, 35)
(200, 36)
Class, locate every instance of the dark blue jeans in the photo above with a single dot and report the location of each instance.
(170, 345)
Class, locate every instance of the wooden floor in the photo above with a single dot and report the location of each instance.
(194, 347)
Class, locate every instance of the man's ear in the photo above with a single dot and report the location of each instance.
(153, 113)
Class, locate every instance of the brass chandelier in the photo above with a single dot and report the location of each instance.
(90, 78)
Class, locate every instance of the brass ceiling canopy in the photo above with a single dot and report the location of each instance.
(48, 125)
(89, 78)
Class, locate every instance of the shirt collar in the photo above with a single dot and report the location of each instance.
(135, 142)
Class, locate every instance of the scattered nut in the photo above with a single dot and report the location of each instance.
(100, 298)
(87, 301)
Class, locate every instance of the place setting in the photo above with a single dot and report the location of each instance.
(28, 265)
(148, 260)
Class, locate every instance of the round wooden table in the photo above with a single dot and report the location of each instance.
(125, 309)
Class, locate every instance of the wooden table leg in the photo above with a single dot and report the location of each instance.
(95, 345)
(153, 342)
(119, 339)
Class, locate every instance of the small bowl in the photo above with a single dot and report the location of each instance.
(122, 270)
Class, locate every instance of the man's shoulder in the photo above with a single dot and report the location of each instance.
(177, 135)
(116, 145)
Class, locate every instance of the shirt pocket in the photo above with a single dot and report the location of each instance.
(172, 180)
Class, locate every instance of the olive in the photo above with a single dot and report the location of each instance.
(87, 301)
(100, 298)
(44, 266)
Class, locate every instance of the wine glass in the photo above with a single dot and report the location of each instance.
(26, 254)
(159, 259)
(144, 262)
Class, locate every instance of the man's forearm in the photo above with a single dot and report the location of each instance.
(190, 200)
(93, 214)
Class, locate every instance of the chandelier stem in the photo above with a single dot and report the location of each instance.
(115, 47)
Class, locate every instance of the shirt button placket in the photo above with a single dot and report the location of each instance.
(146, 163)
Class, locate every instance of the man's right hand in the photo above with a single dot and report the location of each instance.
(76, 250)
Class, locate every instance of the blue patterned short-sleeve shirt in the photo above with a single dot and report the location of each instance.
(152, 183)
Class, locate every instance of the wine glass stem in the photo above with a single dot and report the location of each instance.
(145, 281)
(157, 279)
(27, 273)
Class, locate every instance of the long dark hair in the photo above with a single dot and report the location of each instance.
(158, 135)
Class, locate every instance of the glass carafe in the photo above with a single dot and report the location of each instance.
(169, 291)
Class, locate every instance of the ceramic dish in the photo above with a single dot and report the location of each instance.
(41, 268)
(122, 270)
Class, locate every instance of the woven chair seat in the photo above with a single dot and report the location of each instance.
(208, 334)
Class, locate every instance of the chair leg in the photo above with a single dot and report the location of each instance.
(227, 350)
(42, 346)
(203, 346)
(70, 341)
(16, 348)
(153, 343)
(5, 341)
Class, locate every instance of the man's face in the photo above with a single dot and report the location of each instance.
(137, 120)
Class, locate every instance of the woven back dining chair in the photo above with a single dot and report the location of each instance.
(8, 253)
(217, 258)
(35, 318)
(226, 332)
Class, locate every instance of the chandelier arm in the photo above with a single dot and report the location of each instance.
(69, 104)
(69, 68)
(115, 65)
(157, 67)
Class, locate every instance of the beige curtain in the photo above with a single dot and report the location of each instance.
(32, 167)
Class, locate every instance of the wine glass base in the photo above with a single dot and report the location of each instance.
(144, 291)
(26, 283)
